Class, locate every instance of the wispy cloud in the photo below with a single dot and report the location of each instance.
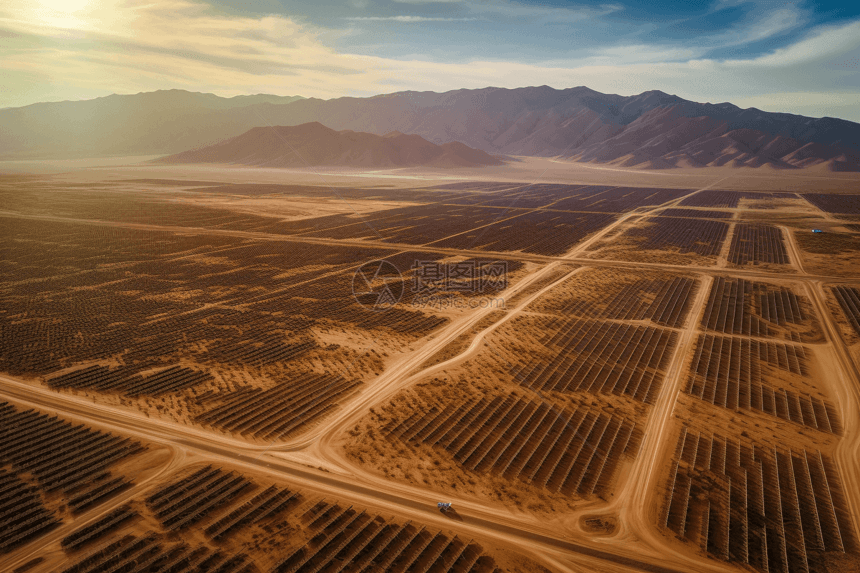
(640, 53)
(824, 44)
(138, 45)
(761, 25)
(407, 19)
(556, 14)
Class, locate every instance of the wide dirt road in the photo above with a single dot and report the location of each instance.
(531, 538)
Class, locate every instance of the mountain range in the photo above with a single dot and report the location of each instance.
(313, 143)
(652, 129)
(141, 124)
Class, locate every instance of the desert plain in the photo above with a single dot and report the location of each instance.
(213, 368)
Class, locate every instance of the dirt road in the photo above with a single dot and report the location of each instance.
(636, 545)
(414, 503)
(27, 552)
(846, 385)
(483, 254)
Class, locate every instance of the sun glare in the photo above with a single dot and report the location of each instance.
(70, 14)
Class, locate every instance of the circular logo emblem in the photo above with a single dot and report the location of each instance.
(377, 285)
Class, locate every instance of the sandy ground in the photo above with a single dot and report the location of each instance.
(266, 544)
(618, 534)
(293, 210)
(525, 169)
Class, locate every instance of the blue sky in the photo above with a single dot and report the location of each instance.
(799, 57)
(555, 30)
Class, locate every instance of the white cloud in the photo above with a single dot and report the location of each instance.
(640, 53)
(553, 14)
(407, 19)
(760, 27)
(823, 44)
(127, 46)
(150, 44)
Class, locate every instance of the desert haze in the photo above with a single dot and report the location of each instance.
(652, 129)
(312, 144)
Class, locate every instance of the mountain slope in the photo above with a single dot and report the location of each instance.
(579, 123)
(652, 129)
(139, 124)
(314, 144)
